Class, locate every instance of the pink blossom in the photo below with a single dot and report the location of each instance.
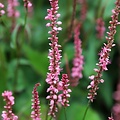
(65, 91)
(11, 8)
(35, 114)
(2, 12)
(104, 55)
(9, 99)
(110, 118)
(56, 86)
(27, 4)
(78, 60)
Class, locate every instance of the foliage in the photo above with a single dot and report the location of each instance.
(23, 58)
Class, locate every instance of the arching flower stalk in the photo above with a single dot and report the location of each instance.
(78, 60)
(9, 99)
(104, 55)
(2, 12)
(35, 114)
(54, 58)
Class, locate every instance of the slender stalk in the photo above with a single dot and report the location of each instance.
(25, 18)
(65, 113)
(86, 110)
(18, 52)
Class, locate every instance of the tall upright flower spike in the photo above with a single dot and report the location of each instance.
(64, 84)
(9, 99)
(104, 55)
(2, 12)
(54, 56)
(100, 28)
(116, 107)
(78, 60)
(11, 8)
(35, 114)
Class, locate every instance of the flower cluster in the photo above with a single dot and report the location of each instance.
(78, 60)
(65, 91)
(27, 4)
(2, 12)
(55, 57)
(11, 9)
(100, 28)
(104, 55)
(9, 99)
(35, 114)
(110, 118)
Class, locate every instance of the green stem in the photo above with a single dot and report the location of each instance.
(50, 118)
(65, 113)
(86, 110)
(25, 18)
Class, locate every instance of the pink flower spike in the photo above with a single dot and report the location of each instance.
(11, 9)
(78, 60)
(35, 114)
(104, 54)
(9, 99)
(54, 57)
(65, 92)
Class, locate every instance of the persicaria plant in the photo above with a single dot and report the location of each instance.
(81, 57)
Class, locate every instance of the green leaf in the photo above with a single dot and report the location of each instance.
(76, 112)
(69, 52)
(90, 56)
(37, 60)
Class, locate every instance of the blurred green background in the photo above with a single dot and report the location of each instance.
(24, 62)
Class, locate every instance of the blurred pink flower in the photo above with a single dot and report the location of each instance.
(27, 4)
(78, 59)
(11, 9)
(100, 28)
(2, 12)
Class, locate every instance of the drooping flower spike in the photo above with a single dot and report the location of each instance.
(8, 113)
(35, 114)
(104, 55)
